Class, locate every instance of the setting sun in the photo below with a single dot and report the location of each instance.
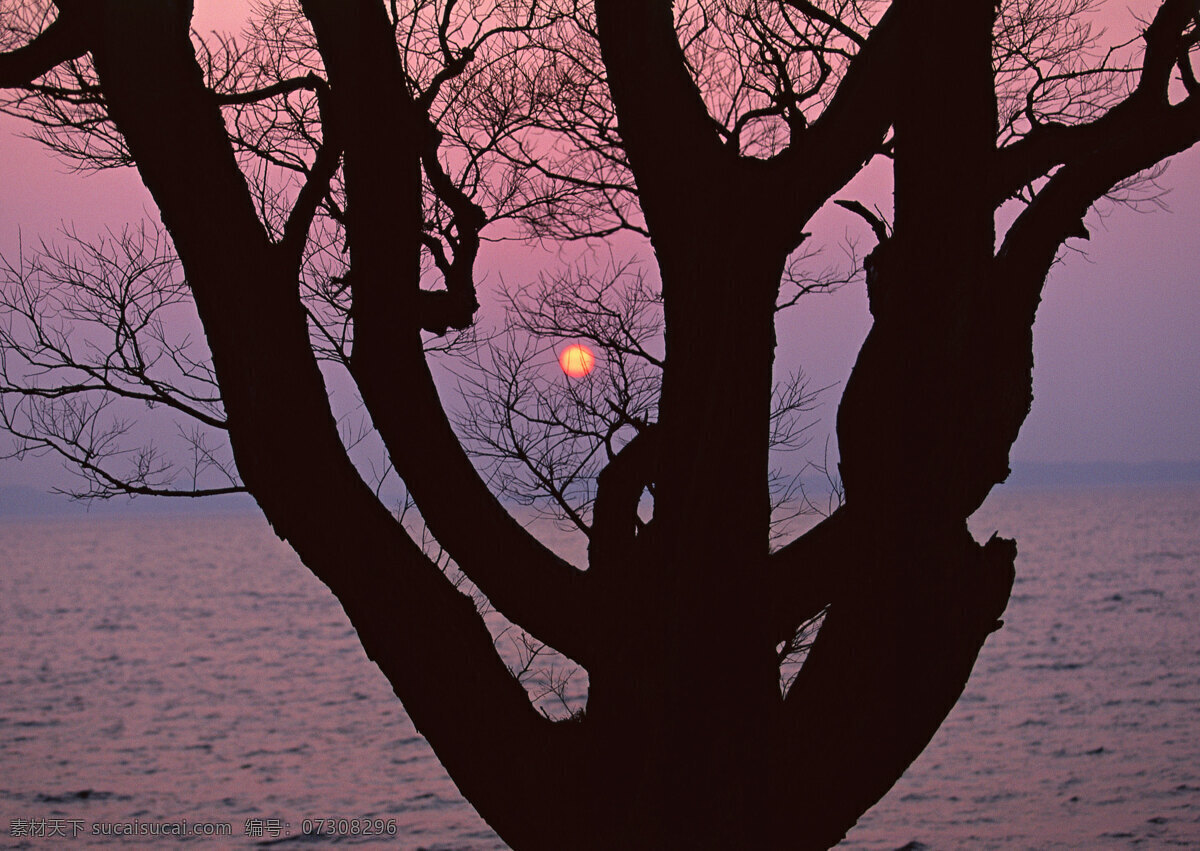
(577, 360)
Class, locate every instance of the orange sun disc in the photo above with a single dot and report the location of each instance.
(577, 360)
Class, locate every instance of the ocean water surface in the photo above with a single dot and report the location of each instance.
(186, 673)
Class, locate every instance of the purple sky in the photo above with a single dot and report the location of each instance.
(1118, 359)
(1117, 339)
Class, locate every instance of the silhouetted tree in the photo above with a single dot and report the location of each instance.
(310, 183)
(543, 441)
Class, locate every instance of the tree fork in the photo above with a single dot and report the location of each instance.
(413, 623)
(889, 663)
(522, 578)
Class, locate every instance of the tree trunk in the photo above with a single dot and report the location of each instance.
(687, 740)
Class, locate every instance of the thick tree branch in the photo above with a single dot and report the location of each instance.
(619, 489)
(1057, 211)
(522, 578)
(1135, 135)
(316, 186)
(457, 308)
(915, 597)
(65, 39)
(852, 128)
(891, 659)
(408, 615)
(814, 570)
(1164, 39)
(944, 219)
(1049, 145)
(907, 596)
(661, 111)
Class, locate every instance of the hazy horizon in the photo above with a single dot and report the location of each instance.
(31, 500)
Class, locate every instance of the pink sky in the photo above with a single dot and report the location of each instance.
(1118, 359)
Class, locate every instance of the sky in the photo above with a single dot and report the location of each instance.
(1116, 342)
(1117, 375)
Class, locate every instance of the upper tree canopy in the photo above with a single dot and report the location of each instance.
(325, 181)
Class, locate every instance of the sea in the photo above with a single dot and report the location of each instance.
(182, 678)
